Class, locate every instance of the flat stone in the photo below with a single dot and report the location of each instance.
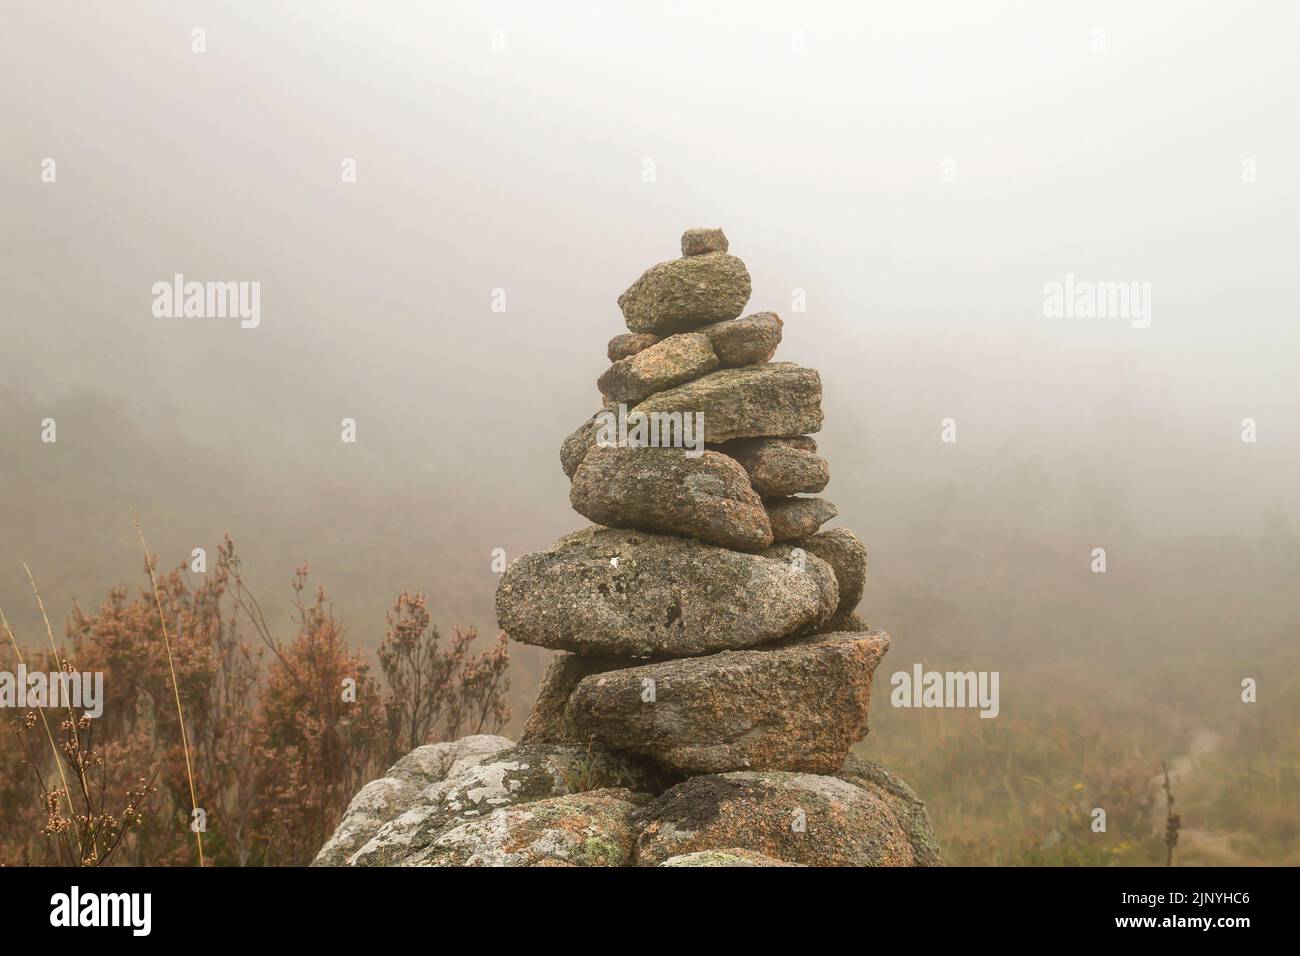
(607, 592)
(676, 359)
(628, 344)
(666, 490)
(745, 341)
(595, 828)
(780, 466)
(683, 294)
(777, 399)
(797, 817)
(795, 705)
(794, 518)
(844, 551)
(698, 242)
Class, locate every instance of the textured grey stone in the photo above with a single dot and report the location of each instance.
(400, 788)
(683, 294)
(745, 341)
(844, 551)
(778, 399)
(581, 440)
(908, 808)
(794, 705)
(595, 828)
(628, 344)
(607, 592)
(843, 825)
(732, 856)
(664, 489)
(780, 466)
(676, 359)
(697, 242)
(794, 518)
(515, 775)
(548, 721)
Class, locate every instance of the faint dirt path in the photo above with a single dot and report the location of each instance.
(1197, 846)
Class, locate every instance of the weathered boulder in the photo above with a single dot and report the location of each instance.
(594, 828)
(400, 788)
(664, 489)
(794, 518)
(908, 808)
(698, 242)
(732, 856)
(844, 551)
(780, 466)
(628, 344)
(682, 294)
(608, 592)
(798, 817)
(676, 359)
(777, 399)
(515, 775)
(745, 341)
(795, 705)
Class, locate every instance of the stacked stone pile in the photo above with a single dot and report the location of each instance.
(709, 624)
(714, 672)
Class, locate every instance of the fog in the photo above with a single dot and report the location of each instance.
(919, 171)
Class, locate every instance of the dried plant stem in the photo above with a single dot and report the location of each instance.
(1173, 822)
(180, 714)
(49, 735)
(58, 660)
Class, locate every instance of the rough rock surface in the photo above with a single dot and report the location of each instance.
(594, 828)
(683, 294)
(844, 551)
(676, 359)
(635, 594)
(908, 808)
(664, 489)
(477, 787)
(779, 467)
(548, 721)
(580, 441)
(732, 856)
(777, 399)
(794, 518)
(745, 341)
(797, 817)
(797, 705)
(845, 621)
(400, 789)
(698, 242)
(628, 344)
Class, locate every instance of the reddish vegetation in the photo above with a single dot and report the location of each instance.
(281, 733)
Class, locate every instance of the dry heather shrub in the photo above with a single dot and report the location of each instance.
(282, 732)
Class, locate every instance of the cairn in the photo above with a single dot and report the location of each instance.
(707, 623)
(714, 673)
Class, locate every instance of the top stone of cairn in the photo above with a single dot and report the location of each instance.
(697, 242)
(704, 286)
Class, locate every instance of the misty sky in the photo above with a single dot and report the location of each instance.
(816, 135)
